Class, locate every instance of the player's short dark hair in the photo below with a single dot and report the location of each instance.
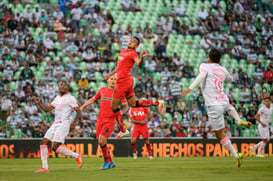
(138, 40)
(215, 55)
(268, 98)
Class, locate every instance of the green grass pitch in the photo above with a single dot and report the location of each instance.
(142, 169)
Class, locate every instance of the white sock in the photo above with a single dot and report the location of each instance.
(261, 148)
(257, 145)
(227, 144)
(66, 152)
(44, 152)
(233, 113)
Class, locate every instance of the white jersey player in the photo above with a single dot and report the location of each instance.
(64, 104)
(263, 116)
(212, 76)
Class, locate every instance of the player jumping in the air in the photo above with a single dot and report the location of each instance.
(263, 116)
(212, 76)
(140, 116)
(106, 119)
(63, 104)
(124, 88)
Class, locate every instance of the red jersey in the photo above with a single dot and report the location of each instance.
(106, 95)
(126, 61)
(268, 75)
(139, 114)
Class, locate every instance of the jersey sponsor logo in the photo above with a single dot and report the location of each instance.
(106, 98)
(120, 58)
(139, 113)
(106, 130)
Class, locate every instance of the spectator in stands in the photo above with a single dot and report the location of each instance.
(245, 96)
(175, 88)
(58, 71)
(205, 43)
(76, 17)
(27, 73)
(238, 8)
(258, 72)
(27, 129)
(182, 131)
(31, 108)
(254, 96)
(203, 14)
(83, 83)
(150, 65)
(11, 120)
(252, 57)
(161, 45)
(180, 11)
(148, 32)
(192, 130)
(126, 5)
(268, 76)
(3, 133)
(20, 94)
(251, 115)
(58, 14)
(170, 103)
(188, 71)
(135, 6)
(184, 28)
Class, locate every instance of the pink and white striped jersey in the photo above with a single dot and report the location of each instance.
(63, 108)
(265, 114)
(212, 86)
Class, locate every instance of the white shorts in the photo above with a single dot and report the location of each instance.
(57, 133)
(264, 132)
(216, 116)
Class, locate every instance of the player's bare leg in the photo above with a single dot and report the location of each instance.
(108, 163)
(115, 108)
(133, 145)
(225, 141)
(148, 147)
(233, 113)
(56, 147)
(44, 153)
(261, 145)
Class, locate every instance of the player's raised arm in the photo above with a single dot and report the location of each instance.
(258, 118)
(140, 61)
(43, 107)
(78, 115)
(110, 75)
(125, 108)
(197, 81)
(89, 102)
(228, 77)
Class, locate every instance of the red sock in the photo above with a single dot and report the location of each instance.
(133, 147)
(147, 103)
(104, 150)
(148, 146)
(109, 156)
(120, 121)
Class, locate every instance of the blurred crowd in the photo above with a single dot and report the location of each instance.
(75, 41)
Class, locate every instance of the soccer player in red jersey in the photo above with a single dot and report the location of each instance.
(124, 88)
(106, 119)
(140, 116)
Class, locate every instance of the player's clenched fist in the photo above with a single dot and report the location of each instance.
(35, 99)
(144, 53)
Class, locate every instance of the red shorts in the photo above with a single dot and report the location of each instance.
(124, 89)
(105, 127)
(143, 131)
